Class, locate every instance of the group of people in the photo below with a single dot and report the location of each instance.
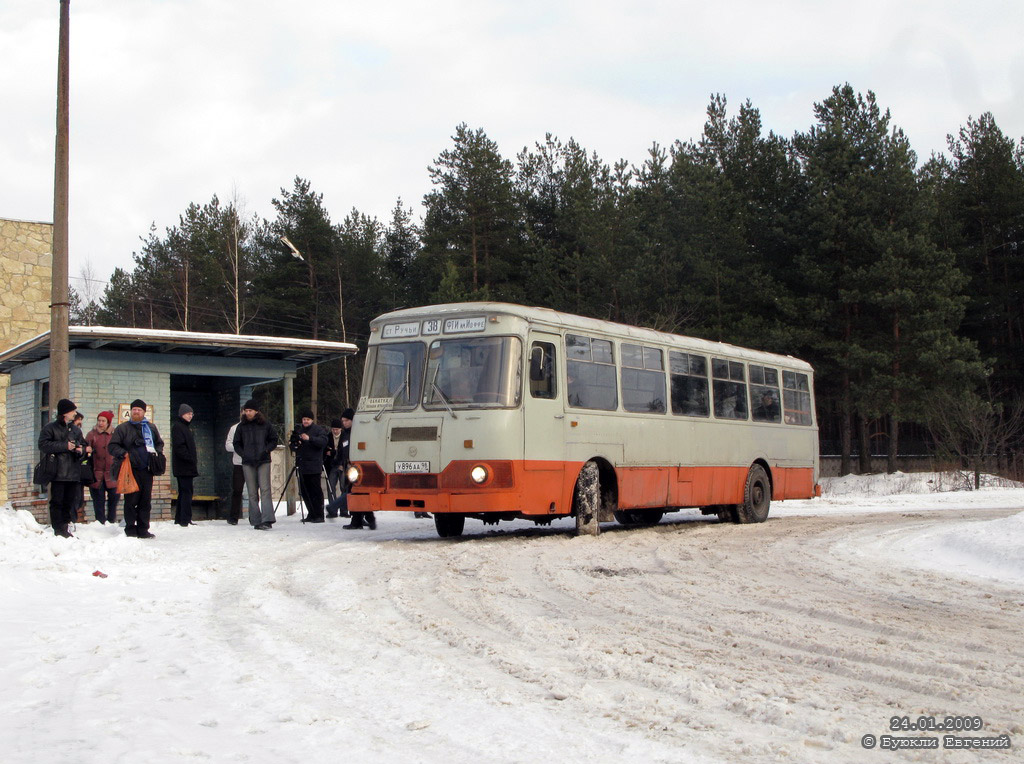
(101, 454)
(251, 441)
(317, 453)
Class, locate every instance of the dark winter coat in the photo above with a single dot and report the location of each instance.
(184, 459)
(102, 461)
(255, 440)
(54, 439)
(128, 439)
(309, 456)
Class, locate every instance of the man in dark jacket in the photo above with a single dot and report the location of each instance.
(184, 463)
(64, 440)
(255, 439)
(310, 440)
(139, 440)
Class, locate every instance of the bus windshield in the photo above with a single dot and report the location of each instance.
(479, 372)
(396, 375)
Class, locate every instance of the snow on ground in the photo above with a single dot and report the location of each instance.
(316, 644)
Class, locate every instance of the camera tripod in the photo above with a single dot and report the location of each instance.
(303, 501)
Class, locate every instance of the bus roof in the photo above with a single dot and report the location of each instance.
(556, 319)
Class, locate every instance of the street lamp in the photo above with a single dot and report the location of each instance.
(294, 250)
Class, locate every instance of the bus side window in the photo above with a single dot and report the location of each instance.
(542, 370)
(730, 388)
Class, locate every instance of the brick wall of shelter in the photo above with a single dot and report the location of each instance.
(93, 390)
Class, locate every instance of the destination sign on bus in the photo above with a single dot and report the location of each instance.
(393, 331)
(456, 325)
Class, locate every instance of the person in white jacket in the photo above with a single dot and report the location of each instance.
(237, 477)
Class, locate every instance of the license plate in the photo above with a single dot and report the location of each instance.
(412, 466)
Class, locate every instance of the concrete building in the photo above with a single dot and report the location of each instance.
(110, 367)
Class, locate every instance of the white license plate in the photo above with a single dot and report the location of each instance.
(412, 466)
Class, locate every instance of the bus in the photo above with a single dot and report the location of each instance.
(496, 412)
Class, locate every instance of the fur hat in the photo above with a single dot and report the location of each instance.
(306, 414)
(336, 424)
(348, 414)
(64, 406)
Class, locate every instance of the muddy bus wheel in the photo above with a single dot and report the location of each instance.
(586, 500)
(757, 497)
(449, 525)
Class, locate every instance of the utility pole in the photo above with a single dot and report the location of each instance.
(59, 304)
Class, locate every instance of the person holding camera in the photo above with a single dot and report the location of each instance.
(139, 441)
(308, 442)
(254, 441)
(62, 438)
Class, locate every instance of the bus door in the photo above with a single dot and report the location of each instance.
(544, 422)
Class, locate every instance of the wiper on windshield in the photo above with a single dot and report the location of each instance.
(391, 404)
(444, 398)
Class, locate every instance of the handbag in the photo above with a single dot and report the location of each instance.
(87, 474)
(126, 479)
(157, 463)
(46, 470)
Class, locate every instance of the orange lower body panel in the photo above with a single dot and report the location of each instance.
(546, 488)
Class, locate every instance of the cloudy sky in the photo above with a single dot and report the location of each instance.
(173, 101)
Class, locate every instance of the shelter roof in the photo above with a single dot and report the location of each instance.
(166, 342)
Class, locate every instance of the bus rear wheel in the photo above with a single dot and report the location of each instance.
(757, 497)
(586, 500)
(448, 524)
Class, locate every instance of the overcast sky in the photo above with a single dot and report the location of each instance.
(173, 101)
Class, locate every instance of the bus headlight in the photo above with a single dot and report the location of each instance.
(353, 474)
(480, 474)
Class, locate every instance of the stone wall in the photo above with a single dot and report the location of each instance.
(26, 254)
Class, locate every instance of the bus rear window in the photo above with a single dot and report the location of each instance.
(796, 398)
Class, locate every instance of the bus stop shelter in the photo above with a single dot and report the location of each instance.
(111, 366)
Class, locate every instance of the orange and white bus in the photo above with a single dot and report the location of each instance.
(499, 412)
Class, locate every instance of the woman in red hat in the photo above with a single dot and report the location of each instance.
(104, 488)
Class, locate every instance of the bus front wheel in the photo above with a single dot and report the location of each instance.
(757, 497)
(586, 500)
(449, 525)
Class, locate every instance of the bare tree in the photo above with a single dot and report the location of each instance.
(972, 429)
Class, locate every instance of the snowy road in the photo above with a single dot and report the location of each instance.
(689, 641)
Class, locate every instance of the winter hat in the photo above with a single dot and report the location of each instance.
(183, 409)
(108, 415)
(138, 403)
(251, 404)
(348, 414)
(336, 424)
(306, 414)
(64, 406)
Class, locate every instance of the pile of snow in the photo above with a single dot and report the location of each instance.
(897, 483)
